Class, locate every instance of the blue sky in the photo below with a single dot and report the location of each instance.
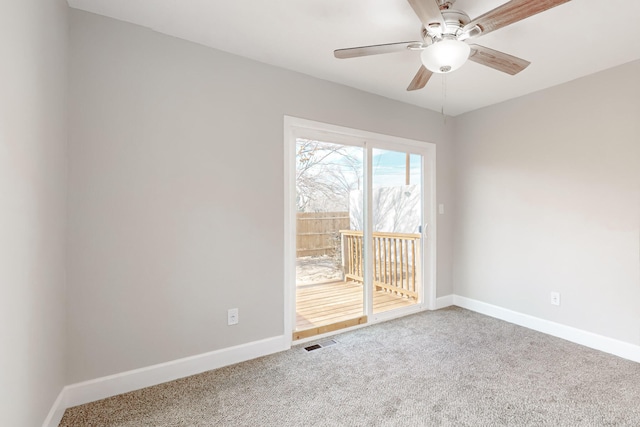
(389, 168)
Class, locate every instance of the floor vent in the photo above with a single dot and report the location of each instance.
(323, 344)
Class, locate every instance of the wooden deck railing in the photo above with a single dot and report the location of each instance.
(395, 257)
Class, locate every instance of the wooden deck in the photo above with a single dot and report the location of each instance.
(327, 307)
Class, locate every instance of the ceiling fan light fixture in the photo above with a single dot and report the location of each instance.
(445, 56)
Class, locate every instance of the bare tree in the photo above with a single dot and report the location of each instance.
(325, 174)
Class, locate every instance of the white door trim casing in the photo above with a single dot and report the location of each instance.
(297, 127)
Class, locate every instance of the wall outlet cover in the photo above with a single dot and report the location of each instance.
(232, 316)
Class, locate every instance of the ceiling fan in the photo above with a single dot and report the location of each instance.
(445, 32)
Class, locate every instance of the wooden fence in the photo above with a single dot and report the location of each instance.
(318, 233)
(395, 261)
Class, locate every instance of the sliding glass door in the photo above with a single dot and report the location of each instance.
(396, 228)
(359, 225)
(329, 182)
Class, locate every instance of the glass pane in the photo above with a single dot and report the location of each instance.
(397, 216)
(329, 270)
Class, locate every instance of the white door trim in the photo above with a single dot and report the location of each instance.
(296, 127)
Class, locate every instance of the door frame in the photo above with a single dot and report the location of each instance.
(295, 127)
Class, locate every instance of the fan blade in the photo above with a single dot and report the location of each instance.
(510, 12)
(428, 11)
(354, 52)
(420, 80)
(497, 60)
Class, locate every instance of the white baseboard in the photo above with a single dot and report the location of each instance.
(588, 339)
(57, 411)
(442, 302)
(101, 388)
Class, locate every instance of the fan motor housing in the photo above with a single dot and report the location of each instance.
(454, 20)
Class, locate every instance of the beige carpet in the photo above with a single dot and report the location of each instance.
(451, 367)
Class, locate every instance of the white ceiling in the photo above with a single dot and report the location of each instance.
(564, 43)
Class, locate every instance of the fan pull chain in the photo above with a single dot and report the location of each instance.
(444, 96)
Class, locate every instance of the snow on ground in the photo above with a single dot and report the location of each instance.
(317, 269)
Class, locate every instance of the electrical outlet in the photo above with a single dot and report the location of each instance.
(555, 298)
(232, 316)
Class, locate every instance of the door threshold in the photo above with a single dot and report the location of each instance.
(311, 332)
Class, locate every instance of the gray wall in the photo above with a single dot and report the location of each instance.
(176, 191)
(33, 140)
(548, 199)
